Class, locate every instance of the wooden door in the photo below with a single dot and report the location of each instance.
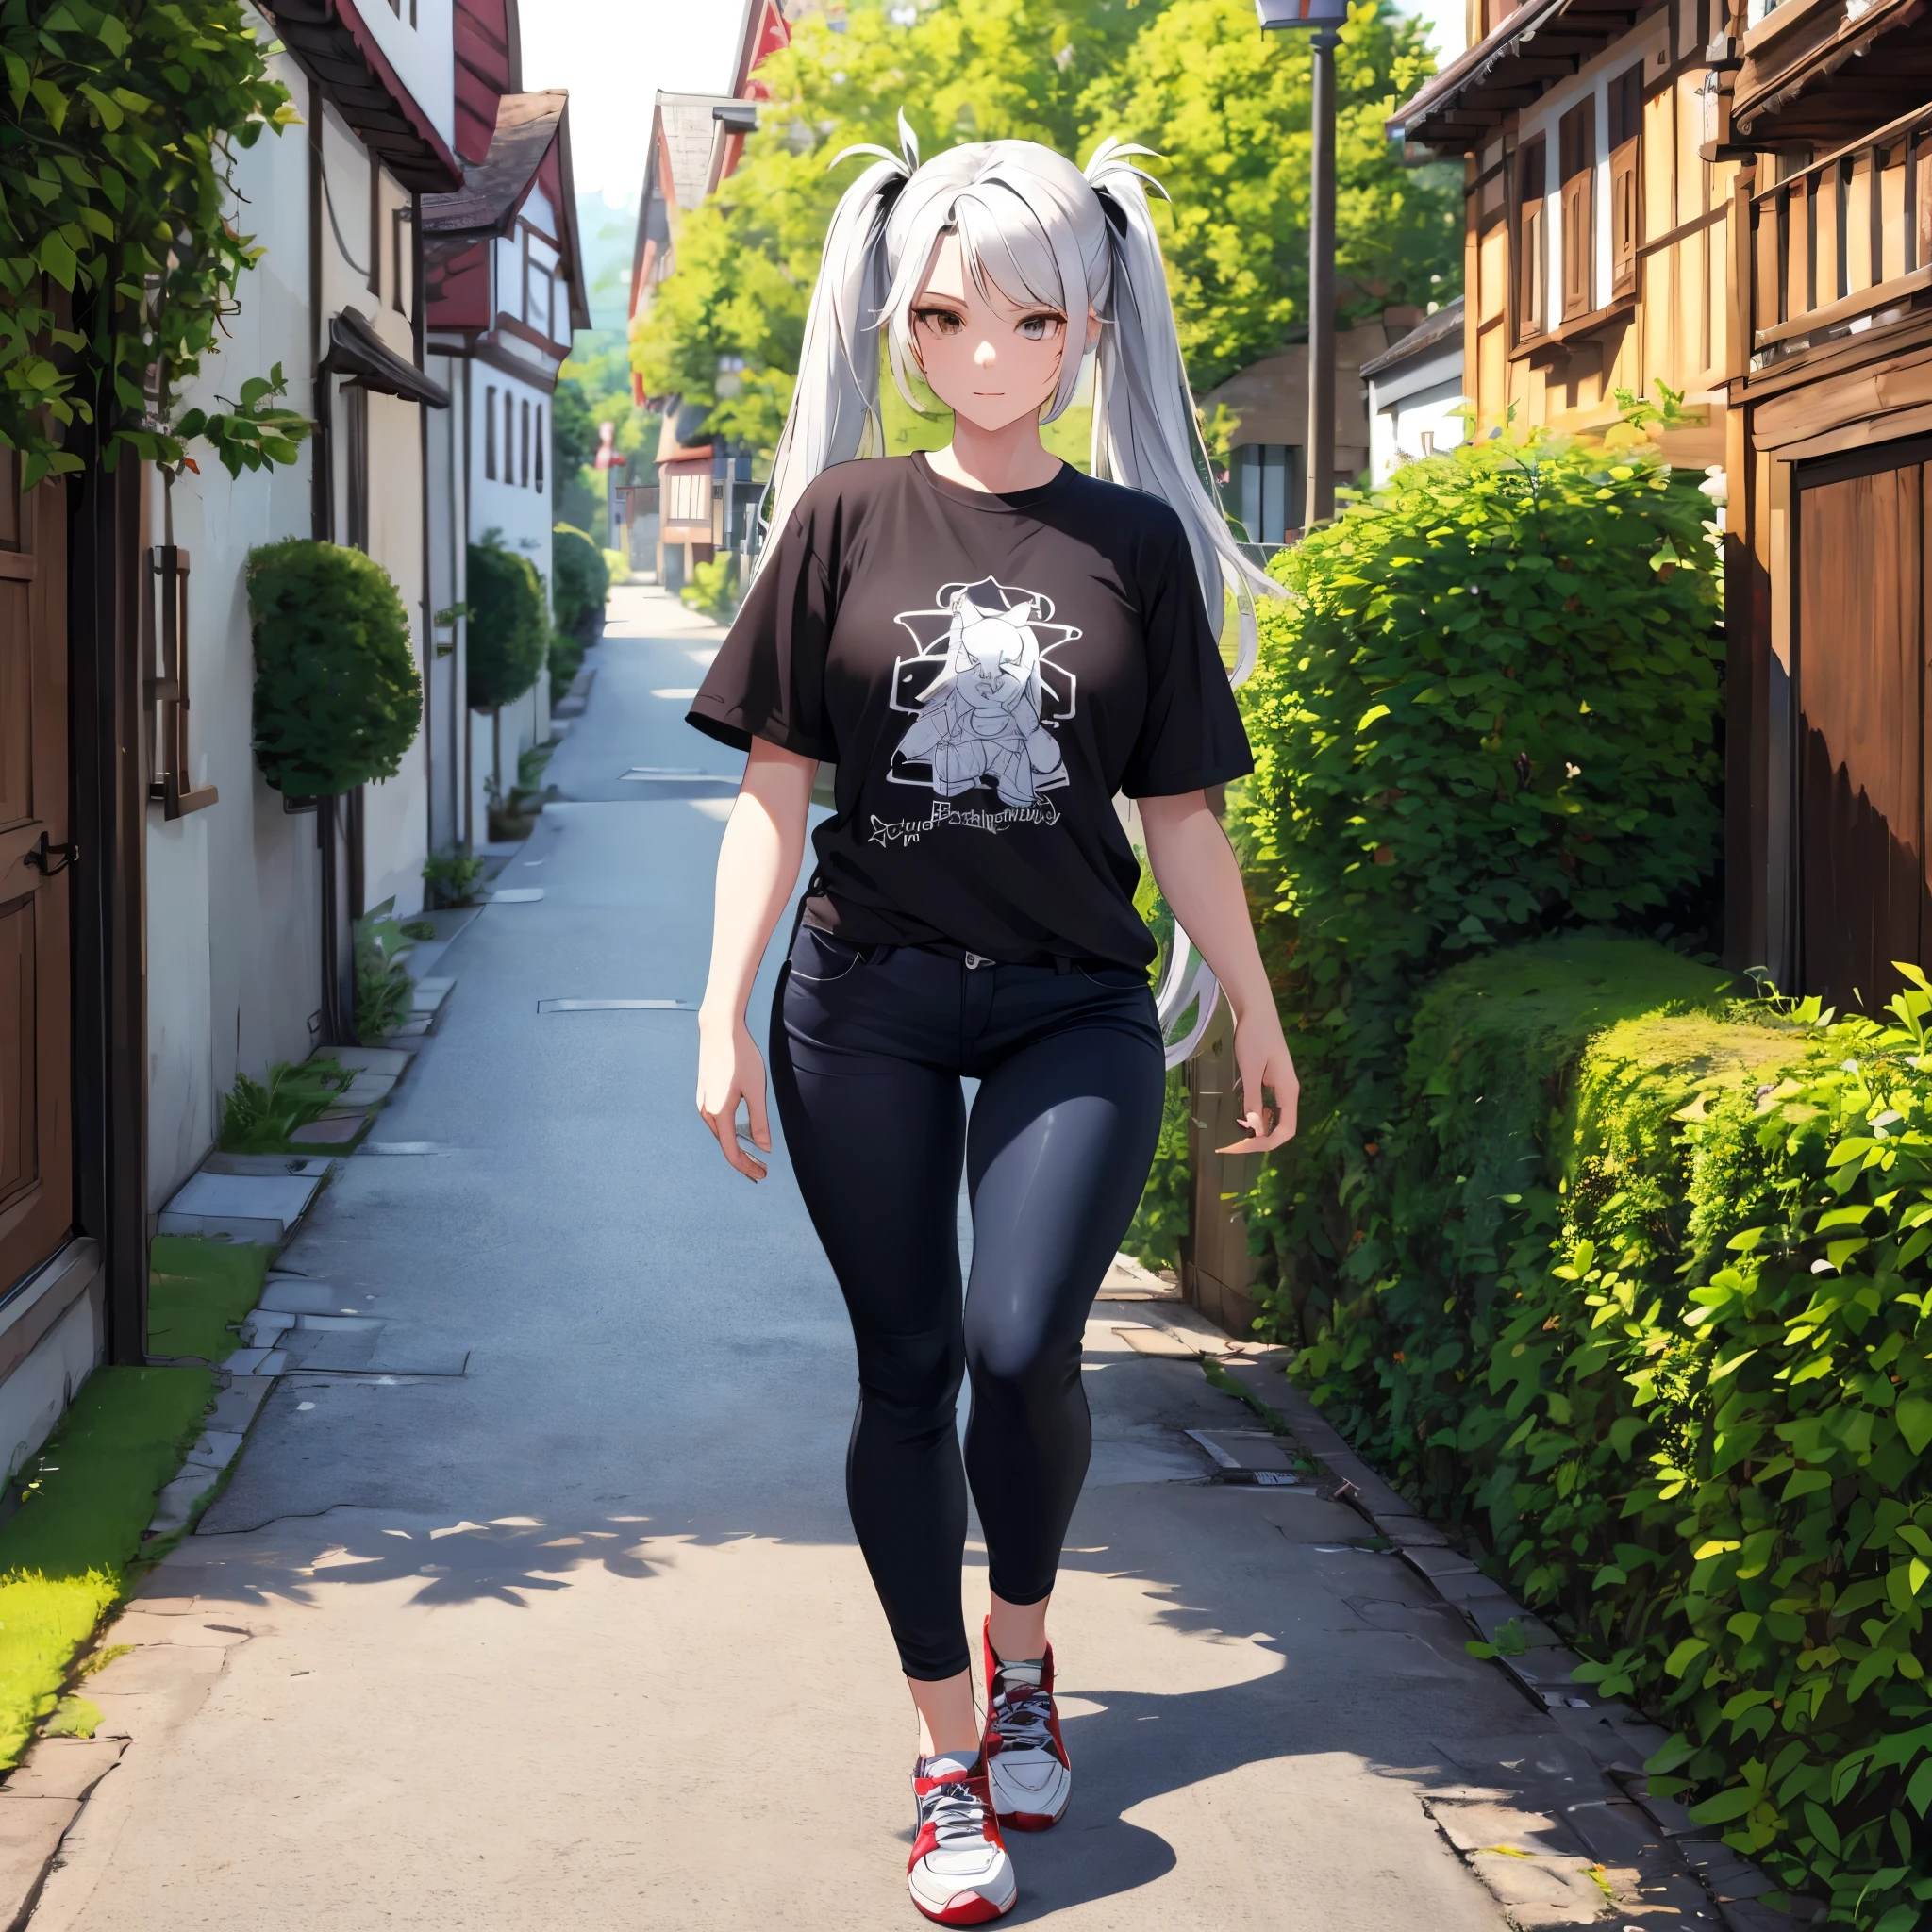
(36, 1058)
(1863, 895)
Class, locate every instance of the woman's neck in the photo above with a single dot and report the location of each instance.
(999, 461)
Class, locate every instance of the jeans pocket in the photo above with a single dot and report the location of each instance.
(1114, 979)
(820, 958)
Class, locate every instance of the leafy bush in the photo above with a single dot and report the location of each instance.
(384, 990)
(509, 625)
(618, 564)
(713, 589)
(565, 661)
(452, 876)
(579, 577)
(337, 699)
(1487, 711)
(258, 1118)
(1661, 1320)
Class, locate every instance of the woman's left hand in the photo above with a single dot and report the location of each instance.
(1265, 1067)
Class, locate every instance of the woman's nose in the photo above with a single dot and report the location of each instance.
(983, 354)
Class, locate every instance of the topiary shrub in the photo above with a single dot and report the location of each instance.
(509, 628)
(579, 577)
(1486, 712)
(338, 698)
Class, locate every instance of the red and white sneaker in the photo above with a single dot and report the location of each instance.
(1025, 1757)
(958, 1873)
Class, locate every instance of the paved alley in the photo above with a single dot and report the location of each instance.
(553, 1618)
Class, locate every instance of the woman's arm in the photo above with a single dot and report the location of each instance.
(1194, 867)
(758, 865)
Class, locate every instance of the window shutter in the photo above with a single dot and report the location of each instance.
(1532, 250)
(1626, 204)
(1576, 136)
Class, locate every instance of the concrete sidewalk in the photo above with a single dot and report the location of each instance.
(581, 1636)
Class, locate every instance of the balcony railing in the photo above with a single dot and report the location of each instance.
(1844, 242)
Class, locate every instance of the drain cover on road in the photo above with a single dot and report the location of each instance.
(616, 1006)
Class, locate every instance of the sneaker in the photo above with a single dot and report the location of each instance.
(1026, 1764)
(958, 1873)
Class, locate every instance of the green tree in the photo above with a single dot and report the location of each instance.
(1226, 104)
(1228, 108)
(965, 70)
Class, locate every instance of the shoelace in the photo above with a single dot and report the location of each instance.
(1019, 1716)
(954, 1811)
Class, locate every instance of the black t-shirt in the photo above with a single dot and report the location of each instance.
(986, 671)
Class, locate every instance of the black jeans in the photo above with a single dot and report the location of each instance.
(868, 1048)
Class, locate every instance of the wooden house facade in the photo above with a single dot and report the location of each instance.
(1735, 200)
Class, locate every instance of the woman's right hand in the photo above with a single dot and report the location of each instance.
(730, 1069)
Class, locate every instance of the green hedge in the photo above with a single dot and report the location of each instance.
(1657, 1318)
(338, 698)
(509, 631)
(579, 577)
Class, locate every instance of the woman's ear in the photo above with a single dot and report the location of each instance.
(1092, 332)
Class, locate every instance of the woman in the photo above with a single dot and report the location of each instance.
(989, 645)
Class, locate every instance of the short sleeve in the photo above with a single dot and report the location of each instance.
(768, 679)
(1191, 736)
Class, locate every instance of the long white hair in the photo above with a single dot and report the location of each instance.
(1039, 229)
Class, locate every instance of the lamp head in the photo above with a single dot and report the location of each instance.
(1302, 14)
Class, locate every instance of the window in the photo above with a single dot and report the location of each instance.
(490, 433)
(398, 224)
(1576, 149)
(540, 449)
(1626, 203)
(355, 426)
(509, 437)
(1266, 479)
(375, 229)
(1532, 242)
(524, 476)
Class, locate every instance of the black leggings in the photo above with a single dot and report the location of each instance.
(868, 1047)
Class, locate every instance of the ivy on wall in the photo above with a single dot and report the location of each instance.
(118, 258)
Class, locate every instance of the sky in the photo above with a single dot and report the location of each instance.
(614, 55)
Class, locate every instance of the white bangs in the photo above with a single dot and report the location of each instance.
(1033, 237)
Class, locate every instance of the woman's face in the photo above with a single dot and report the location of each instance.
(990, 360)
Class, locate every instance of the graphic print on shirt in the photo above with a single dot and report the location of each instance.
(985, 696)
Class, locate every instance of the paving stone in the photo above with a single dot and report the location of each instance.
(329, 1132)
(236, 1405)
(366, 1059)
(341, 1324)
(1729, 1875)
(1245, 1449)
(1543, 1759)
(366, 1089)
(248, 1362)
(412, 1029)
(175, 1504)
(1439, 1563)
(65, 1767)
(1543, 1894)
(260, 1327)
(30, 1833)
(219, 1202)
(216, 1448)
(1616, 1832)
(428, 994)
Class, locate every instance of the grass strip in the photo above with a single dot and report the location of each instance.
(198, 1291)
(67, 1553)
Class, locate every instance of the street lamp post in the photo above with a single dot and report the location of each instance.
(1323, 18)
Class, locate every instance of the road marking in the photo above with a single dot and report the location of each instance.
(617, 1005)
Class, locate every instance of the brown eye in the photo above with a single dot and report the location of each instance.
(942, 322)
